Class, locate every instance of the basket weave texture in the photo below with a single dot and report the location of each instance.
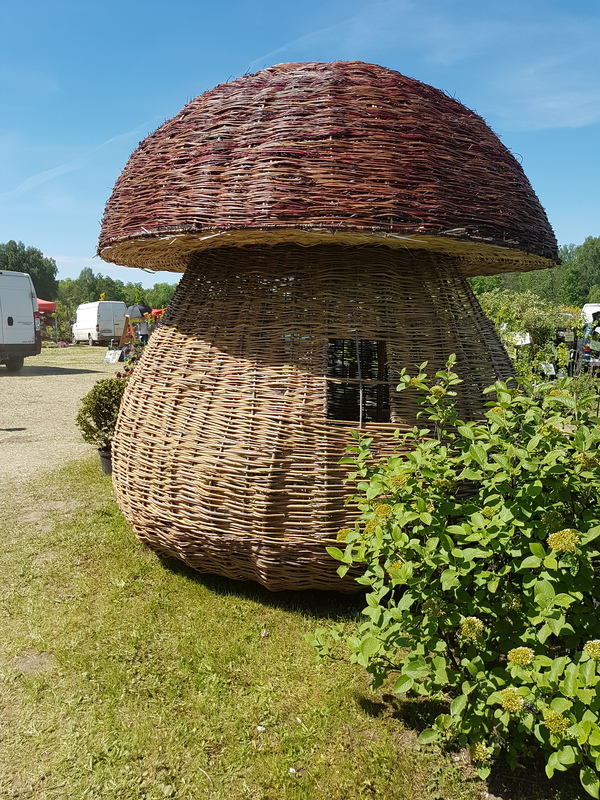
(224, 454)
(345, 152)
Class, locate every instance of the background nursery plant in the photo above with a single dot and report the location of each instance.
(477, 545)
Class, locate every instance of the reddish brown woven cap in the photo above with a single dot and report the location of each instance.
(347, 153)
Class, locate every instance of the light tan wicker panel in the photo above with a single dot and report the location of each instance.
(224, 454)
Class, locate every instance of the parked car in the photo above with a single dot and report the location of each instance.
(20, 334)
(99, 322)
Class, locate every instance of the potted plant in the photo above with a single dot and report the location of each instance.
(97, 416)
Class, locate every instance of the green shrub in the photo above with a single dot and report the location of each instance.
(476, 542)
(97, 415)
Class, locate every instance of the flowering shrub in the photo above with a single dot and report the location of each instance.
(477, 545)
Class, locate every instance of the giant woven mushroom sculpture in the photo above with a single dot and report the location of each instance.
(326, 217)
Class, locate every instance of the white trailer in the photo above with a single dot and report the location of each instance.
(99, 322)
(20, 333)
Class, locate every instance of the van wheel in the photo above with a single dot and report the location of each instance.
(90, 340)
(14, 364)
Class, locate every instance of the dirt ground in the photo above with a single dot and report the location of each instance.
(38, 408)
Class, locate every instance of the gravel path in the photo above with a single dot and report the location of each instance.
(38, 408)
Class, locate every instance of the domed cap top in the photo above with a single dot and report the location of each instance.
(345, 152)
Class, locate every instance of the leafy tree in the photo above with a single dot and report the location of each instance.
(15, 257)
(160, 295)
(575, 281)
(526, 311)
(582, 272)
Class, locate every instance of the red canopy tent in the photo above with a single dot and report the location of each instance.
(45, 306)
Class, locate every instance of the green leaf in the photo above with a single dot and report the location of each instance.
(567, 755)
(416, 668)
(403, 684)
(336, 553)
(544, 592)
(470, 475)
(531, 562)
(457, 706)
(478, 454)
(537, 549)
(570, 682)
(449, 579)
(428, 736)
(590, 781)
(369, 646)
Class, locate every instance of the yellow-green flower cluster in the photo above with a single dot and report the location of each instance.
(443, 483)
(592, 648)
(429, 507)
(480, 752)
(555, 722)
(383, 510)
(564, 541)
(471, 628)
(343, 534)
(558, 393)
(415, 382)
(512, 701)
(398, 481)
(547, 430)
(438, 391)
(497, 410)
(395, 565)
(370, 526)
(488, 512)
(433, 607)
(511, 602)
(586, 460)
(521, 656)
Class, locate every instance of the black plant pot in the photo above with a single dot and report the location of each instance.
(106, 461)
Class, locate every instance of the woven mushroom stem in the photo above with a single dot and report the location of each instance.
(228, 443)
(341, 153)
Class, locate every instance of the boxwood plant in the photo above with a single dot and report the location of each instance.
(477, 544)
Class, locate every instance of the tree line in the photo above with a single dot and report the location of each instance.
(72, 292)
(574, 282)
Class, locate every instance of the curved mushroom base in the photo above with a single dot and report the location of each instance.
(227, 449)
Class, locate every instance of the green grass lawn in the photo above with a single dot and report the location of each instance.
(125, 677)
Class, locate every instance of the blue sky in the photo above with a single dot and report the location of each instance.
(81, 83)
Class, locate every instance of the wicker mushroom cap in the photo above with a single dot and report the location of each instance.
(342, 152)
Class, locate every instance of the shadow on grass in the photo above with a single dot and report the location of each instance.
(527, 782)
(28, 372)
(310, 603)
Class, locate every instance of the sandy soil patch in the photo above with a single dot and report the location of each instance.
(38, 408)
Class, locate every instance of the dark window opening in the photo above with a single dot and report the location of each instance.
(358, 386)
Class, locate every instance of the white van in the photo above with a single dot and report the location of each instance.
(20, 333)
(99, 322)
(589, 310)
